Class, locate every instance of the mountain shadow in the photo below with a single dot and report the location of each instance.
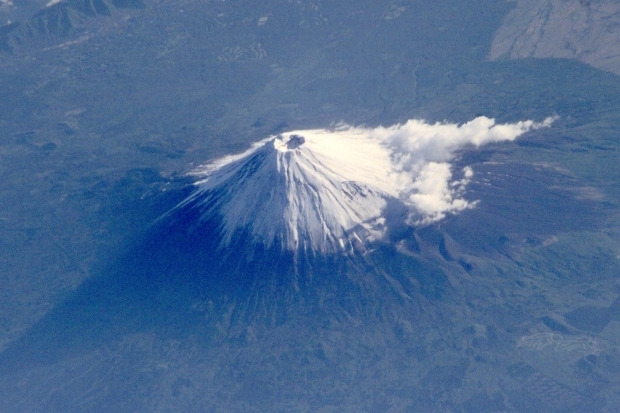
(177, 281)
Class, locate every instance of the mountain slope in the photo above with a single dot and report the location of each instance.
(59, 20)
(301, 192)
(539, 29)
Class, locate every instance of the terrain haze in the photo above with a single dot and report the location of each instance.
(501, 293)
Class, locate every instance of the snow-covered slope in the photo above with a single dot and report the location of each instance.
(302, 192)
(338, 190)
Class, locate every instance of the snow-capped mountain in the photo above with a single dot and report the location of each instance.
(301, 192)
(339, 190)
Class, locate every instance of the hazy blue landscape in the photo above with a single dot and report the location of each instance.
(113, 300)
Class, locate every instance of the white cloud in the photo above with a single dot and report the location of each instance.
(416, 141)
(433, 195)
(421, 153)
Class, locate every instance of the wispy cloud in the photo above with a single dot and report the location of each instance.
(421, 153)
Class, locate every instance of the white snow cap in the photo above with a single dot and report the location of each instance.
(327, 190)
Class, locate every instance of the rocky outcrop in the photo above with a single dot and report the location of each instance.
(588, 31)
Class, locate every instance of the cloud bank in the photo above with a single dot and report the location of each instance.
(421, 153)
